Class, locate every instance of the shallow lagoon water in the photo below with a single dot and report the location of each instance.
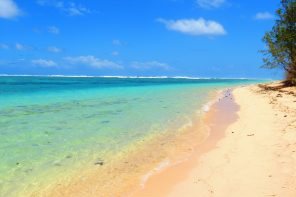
(50, 126)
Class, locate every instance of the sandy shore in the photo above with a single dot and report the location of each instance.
(253, 156)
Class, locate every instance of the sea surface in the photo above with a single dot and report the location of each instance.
(51, 127)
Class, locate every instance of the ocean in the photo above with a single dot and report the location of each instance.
(55, 131)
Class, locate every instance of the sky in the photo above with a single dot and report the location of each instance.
(197, 38)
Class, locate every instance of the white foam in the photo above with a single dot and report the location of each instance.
(131, 77)
(206, 107)
(161, 166)
(219, 94)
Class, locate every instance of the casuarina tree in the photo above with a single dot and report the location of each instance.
(281, 41)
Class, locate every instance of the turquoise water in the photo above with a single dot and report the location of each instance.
(50, 125)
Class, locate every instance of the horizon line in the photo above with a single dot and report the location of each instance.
(133, 77)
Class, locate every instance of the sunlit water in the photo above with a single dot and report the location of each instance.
(51, 125)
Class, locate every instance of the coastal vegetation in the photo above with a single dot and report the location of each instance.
(281, 42)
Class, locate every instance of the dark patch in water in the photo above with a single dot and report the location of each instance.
(115, 102)
(28, 170)
(89, 116)
(90, 105)
(105, 121)
(107, 112)
(99, 162)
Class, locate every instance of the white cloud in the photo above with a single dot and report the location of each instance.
(22, 47)
(263, 16)
(74, 9)
(115, 53)
(195, 27)
(116, 42)
(210, 3)
(44, 63)
(93, 62)
(54, 49)
(53, 30)
(4, 46)
(150, 65)
(19, 47)
(9, 9)
(70, 8)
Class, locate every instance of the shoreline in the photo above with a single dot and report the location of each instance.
(213, 156)
(161, 182)
(255, 155)
(194, 141)
(175, 147)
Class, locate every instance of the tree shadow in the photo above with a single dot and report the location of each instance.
(283, 87)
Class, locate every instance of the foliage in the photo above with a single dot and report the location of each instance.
(281, 41)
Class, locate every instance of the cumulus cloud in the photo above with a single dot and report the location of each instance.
(115, 53)
(44, 63)
(150, 65)
(70, 8)
(210, 3)
(53, 30)
(263, 16)
(20, 47)
(94, 62)
(195, 27)
(74, 9)
(9, 9)
(116, 42)
(54, 49)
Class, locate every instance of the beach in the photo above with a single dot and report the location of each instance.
(83, 136)
(166, 98)
(255, 155)
(147, 137)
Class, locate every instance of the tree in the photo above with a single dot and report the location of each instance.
(281, 41)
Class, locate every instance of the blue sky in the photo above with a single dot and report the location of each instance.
(202, 38)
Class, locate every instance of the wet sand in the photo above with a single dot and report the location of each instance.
(132, 167)
(179, 154)
(255, 155)
(245, 145)
(217, 119)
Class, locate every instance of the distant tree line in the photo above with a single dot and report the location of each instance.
(281, 41)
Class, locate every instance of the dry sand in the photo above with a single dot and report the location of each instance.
(256, 157)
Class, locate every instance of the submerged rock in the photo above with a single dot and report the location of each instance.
(99, 162)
